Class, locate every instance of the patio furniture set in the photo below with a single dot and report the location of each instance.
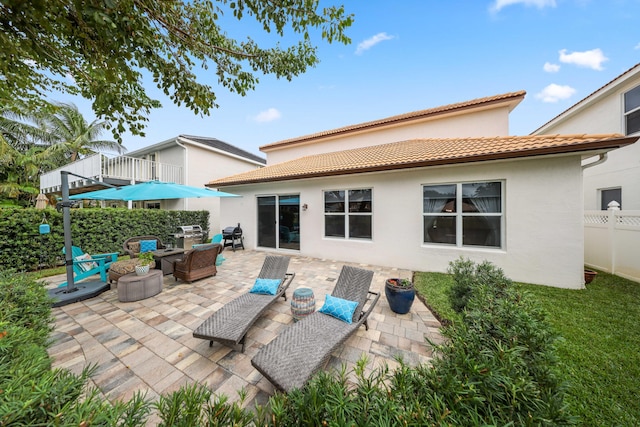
(294, 356)
(187, 265)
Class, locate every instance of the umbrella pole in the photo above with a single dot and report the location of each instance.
(72, 293)
(66, 225)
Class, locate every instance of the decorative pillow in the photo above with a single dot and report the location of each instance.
(148, 245)
(86, 266)
(339, 308)
(134, 247)
(265, 286)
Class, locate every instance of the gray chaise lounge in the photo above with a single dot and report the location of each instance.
(291, 359)
(229, 325)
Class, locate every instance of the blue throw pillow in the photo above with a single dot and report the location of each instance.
(339, 308)
(148, 245)
(265, 286)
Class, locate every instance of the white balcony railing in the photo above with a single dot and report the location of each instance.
(102, 168)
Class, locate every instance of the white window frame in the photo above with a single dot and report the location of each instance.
(346, 214)
(633, 110)
(459, 215)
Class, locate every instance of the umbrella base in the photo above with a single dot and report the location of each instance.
(82, 291)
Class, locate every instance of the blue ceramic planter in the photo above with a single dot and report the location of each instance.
(400, 298)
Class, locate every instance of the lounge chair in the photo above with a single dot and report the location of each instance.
(229, 325)
(291, 359)
(85, 265)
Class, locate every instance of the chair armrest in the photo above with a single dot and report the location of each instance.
(367, 309)
(112, 255)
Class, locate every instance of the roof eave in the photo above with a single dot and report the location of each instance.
(594, 146)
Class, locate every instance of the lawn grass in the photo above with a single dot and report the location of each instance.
(600, 346)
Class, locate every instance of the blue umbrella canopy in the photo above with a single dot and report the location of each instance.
(151, 190)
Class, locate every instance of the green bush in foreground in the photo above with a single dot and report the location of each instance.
(495, 368)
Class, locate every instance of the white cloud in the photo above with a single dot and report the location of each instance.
(540, 4)
(268, 115)
(371, 42)
(589, 58)
(555, 93)
(30, 62)
(551, 68)
(637, 46)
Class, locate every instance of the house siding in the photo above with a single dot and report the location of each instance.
(622, 168)
(543, 218)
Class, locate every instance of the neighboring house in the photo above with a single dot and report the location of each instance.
(415, 201)
(185, 159)
(613, 108)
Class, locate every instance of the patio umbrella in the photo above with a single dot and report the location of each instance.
(152, 190)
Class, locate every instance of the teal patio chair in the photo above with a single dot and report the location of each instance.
(218, 239)
(85, 265)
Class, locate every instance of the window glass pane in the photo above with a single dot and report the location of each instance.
(607, 196)
(440, 229)
(360, 200)
(334, 225)
(360, 226)
(439, 198)
(481, 197)
(633, 122)
(632, 99)
(481, 231)
(334, 201)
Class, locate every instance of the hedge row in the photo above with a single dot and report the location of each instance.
(23, 248)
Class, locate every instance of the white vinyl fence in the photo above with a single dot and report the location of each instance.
(612, 242)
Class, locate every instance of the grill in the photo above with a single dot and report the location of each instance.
(188, 235)
(233, 237)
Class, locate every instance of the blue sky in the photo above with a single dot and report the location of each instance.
(415, 54)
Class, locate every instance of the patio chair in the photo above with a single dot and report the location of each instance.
(85, 265)
(294, 356)
(229, 325)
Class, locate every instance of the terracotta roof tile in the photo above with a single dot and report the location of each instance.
(424, 152)
(514, 97)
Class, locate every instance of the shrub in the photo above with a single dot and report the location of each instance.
(468, 276)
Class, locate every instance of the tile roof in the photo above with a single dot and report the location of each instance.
(223, 146)
(422, 153)
(512, 98)
(622, 77)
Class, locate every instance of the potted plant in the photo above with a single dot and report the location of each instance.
(400, 294)
(144, 261)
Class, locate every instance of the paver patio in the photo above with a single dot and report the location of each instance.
(148, 345)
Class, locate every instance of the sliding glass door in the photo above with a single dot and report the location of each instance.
(279, 222)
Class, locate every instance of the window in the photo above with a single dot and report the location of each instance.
(467, 214)
(609, 195)
(348, 214)
(632, 110)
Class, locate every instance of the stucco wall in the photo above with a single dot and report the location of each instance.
(493, 122)
(622, 168)
(543, 219)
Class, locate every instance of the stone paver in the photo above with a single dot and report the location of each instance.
(148, 345)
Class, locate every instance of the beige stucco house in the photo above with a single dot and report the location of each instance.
(613, 108)
(185, 159)
(429, 187)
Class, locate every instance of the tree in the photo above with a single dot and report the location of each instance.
(100, 48)
(69, 134)
(20, 171)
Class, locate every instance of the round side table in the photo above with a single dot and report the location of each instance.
(132, 287)
(303, 303)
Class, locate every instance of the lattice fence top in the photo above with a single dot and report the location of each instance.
(628, 219)
(596, 218)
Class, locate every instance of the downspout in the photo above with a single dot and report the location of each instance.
(184, 171)
(602, 159)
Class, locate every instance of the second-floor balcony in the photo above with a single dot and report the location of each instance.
(120, 170)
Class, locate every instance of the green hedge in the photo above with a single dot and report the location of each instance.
(22, 248)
